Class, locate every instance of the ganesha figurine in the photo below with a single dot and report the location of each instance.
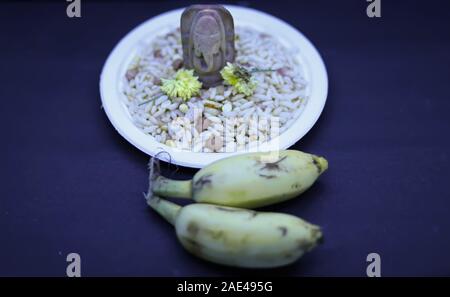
(207, 36)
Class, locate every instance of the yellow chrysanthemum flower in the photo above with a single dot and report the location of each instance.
(185, 85)
(239, 78)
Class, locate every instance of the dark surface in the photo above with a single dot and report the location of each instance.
(70, 183)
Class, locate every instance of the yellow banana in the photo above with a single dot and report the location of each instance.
(239, 237)
(248, 180)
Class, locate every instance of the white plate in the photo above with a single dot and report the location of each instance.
(117, 62)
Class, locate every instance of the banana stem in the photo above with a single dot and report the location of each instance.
(167, 187)
(166, 209)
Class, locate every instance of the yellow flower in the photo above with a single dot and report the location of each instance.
(239, 78)
(185, 85)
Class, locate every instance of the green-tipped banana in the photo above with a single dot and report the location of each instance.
(239, 237)
(248, 180)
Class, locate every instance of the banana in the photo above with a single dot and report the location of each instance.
(239, 237)
(248, 180)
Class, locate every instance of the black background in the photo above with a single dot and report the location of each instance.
(70, 183)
